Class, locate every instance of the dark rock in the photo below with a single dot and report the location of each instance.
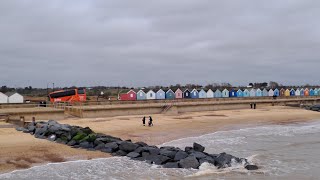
(96, 142)
(145, 154)
(140, 150)
(207, 159)
(157, 159)
(26, 130)
(20, 128)
(180, 155)
(142, 144)
(76, 146)
(85, 145)
(251, 167)
(171, 165)
(86, 130)
(52, 137)
(121, 153)
(113, 146)
(52, 122)
(198, 155)
(152, 150)
(139, 159)
(133, 155)
(54, 128)
(107, 139)
(188, 149)
(223, 160)
(107, 150)
(198, 147)
(100, 146)
(189, 162)
(72, 143)
(31, 128)
(128, 146)
(128, 140)
(61, 141)
(170, 154)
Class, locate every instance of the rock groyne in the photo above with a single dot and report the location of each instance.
(166, 156)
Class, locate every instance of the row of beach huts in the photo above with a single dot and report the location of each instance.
(10, 97)
(144, 94)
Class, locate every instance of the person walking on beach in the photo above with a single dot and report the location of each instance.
(144, 121)
(150, 121)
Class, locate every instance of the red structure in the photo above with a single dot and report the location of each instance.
(72, 95)
(129, 96)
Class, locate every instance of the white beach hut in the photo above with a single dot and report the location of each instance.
(151, 94)
(3, 98)
(271, 92)
(297, 93)
(210, 94)
(14, 97)
(253, 93)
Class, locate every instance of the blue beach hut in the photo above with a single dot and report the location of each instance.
(311, 92)
(194, 94)
(225, 93)
(246, 93)
(292, 92)
(210, 94)
(276, 92)
(301, 92)
(259, 93)
(253, 93)
(239, 93)
(202, 94)
(141, 95)
(316, 92)
(160, 94)
(170, 94)
(217, 94)
(186, 94)
(265, 92)
(233, 93)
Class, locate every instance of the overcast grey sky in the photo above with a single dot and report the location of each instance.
(142, 43)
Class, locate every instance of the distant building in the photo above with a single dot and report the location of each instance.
(306, 92)
(210, 94)
(170, 94)
(282, 92)
(253, 93)
(239, 93)
(3, 98)
(217, 94)
(302, 92)
(292, 92)
(265, 92)
(287, 92)
(246, 93)
(179, 94)
(259, 93)
(160, 94)
(276, 92)
(14, 97)
(316, 92)
(151, 94)
(311, 92)
(271, 92)
(233, 93)
(225, 93)
(186, 94)
(194, 94)
(297, 93)
(202, 94)
(141, 95)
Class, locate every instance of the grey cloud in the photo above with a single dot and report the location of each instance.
(141, 43)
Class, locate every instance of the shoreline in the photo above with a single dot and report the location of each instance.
(21, 152)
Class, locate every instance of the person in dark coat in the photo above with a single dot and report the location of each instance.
(150, 121)
(144, 120)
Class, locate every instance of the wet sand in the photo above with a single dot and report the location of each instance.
(19, 150)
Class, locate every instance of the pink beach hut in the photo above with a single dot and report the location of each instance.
(178, 93)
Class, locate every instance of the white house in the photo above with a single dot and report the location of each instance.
(225, 93)
(210, 94)
(14, 98)
(271, 92)
(3, 98)
(151, 94)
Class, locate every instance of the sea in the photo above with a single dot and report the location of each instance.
(288, 151)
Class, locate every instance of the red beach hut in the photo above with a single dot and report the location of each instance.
(129, 96)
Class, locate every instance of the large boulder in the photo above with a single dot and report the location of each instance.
(180, 155)
(170, 154)
(188, 149)
(86, 145)
(171, 165)
(133, 155)
(121, 153)
(198, 155)
(189, 162)
(142, 144)
(128, 146)
(31, 128)
(251, 167)
(153, 150)
(207, 159)
(113, 146)
(198, 147)
(100, 146)
(223, 160)
(157, 159)
(72, 143)
(41, 131)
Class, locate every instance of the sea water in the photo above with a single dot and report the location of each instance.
(281, 152)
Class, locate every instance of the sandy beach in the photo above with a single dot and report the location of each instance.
(19, 150)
